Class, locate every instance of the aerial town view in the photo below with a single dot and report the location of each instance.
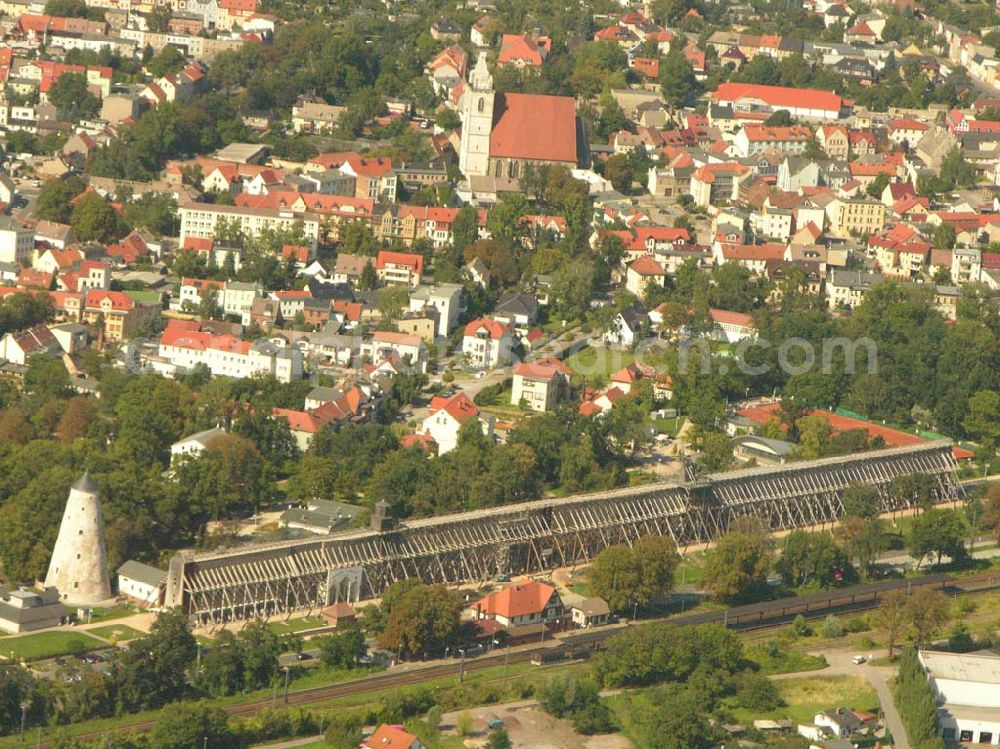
(500, 374)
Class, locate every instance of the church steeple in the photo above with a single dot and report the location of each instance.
(477, 121)
(481, 80)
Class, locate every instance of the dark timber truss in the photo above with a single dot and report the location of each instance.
(270, 579)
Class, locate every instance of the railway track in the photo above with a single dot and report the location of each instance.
(752, 617)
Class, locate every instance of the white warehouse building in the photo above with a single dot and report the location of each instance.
(967, 687)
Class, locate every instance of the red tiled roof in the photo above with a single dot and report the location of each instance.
(544, 369)
(725, 317)
(400, 259)
(530, 126)
(190, 335)
(459, 406)
(891, 437)
(494, 329)
(119, 300)
(517, 47)
(780, 96)
(646, 266)
(517, 600)
(390, 737)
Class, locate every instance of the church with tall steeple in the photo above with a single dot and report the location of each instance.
(502, 133)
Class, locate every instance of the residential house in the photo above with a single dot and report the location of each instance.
(447, 417)
(18, 347)
(385, 344)
(846, 289)
(517, 309)
(643, 272)
(521, 604)
(540, 385)
(522, 51)
(391, 737)
(16, 241)
(590, 612)
(399, 268)
(488, 343)
(187, 344)
(121, 315)
(855, 217)
(446, 298)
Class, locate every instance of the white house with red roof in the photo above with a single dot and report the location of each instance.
(399, 268)
(186, 344)
(447, 417)
(539, 385)
(642, 273)
(523, 51)
(391, 737)
(18, 347)
(503, 133)
(488, 343)
(521, 604)
(906, 130)
(749, 99)
(731, 327)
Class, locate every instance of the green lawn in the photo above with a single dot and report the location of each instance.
(112, 612)
(116, 632)
(598, 364)
(297, 625)
(49, 644)
(809, 695)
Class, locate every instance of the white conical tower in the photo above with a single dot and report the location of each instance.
(79, 566)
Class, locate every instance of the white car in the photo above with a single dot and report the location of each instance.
(858, 660)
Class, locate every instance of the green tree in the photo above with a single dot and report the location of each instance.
(780, 118)
(167, 60)
(928, 611)
(616, 577)
(183, 725)
(982, 419)
(46, 378)
(736, 569)
(935, 531)
(677, 78)
(343, 649)
(425, 620)
(72, 99)
(344, 732)
(498, 739)
(618, 171)
(877, 186)
(95, 219)
(892, 615)
(55, 199)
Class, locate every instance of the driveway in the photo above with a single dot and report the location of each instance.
(878, 676)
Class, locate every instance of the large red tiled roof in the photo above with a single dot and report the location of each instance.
(530, 126)
(459, 406)
(780, 96)
(517, 600)
(493, 328)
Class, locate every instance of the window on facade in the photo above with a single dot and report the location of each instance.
(965, 736)
(985, 737)
(482, 104)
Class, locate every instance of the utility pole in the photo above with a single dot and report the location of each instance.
(461, 665)
(506, 658)
(287, 674)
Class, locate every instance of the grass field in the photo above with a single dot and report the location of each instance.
(116, 632)
(297, 625)
(112, 612)
(598, 364)
(49, 645)
(807, 696)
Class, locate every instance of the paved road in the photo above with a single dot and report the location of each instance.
(878, 676)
